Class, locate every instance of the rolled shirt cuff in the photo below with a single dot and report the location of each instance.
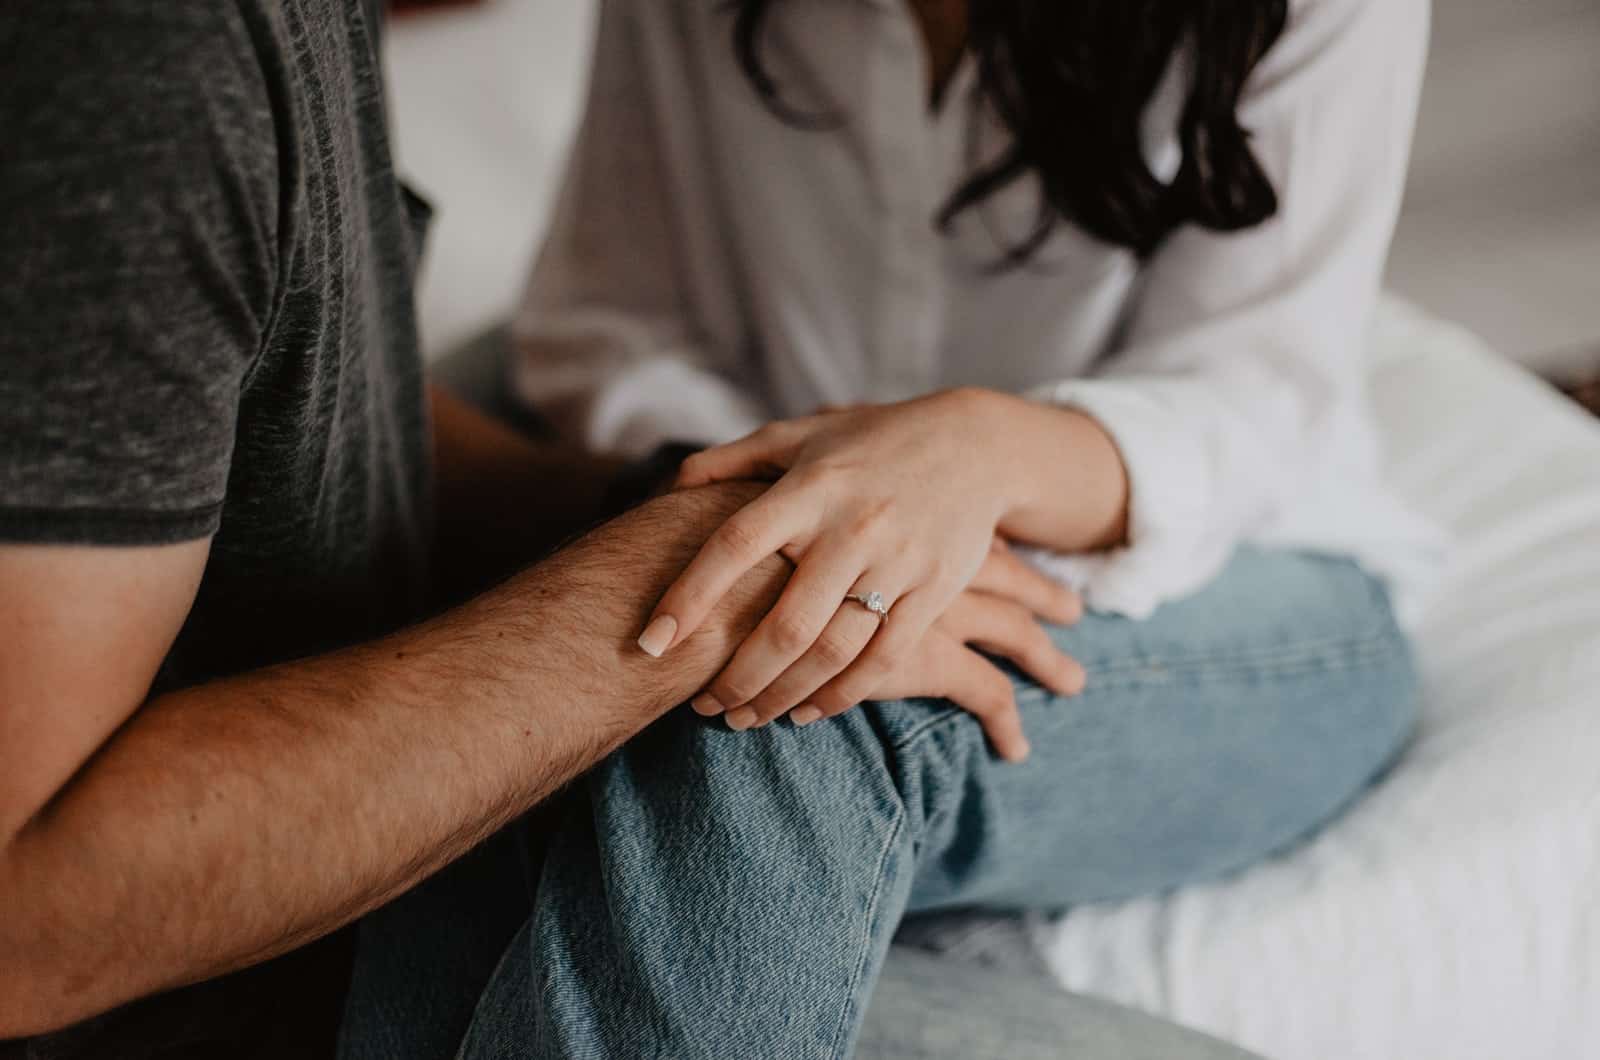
(667, 399)
(1174, 542)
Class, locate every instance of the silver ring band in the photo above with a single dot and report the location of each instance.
(873, 602)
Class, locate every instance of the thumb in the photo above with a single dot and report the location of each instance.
(763, 454)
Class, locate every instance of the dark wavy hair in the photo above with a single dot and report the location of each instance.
(1070, 80)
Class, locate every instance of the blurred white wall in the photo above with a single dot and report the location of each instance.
(484, 102)
(1501, 229)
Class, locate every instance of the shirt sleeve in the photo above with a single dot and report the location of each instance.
(609, 347)
(138, 218)
(1245, 354)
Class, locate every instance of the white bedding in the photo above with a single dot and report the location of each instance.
(1455, 914)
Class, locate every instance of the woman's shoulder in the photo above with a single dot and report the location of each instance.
(1403, 17)
(1326, 43)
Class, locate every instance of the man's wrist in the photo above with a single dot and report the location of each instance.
(596, 595)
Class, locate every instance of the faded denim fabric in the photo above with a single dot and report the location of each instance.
(715, 894)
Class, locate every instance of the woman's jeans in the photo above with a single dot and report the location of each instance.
(708, 893)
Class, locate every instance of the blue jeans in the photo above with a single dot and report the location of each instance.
(708, 893)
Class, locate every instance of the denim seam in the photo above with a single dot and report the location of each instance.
(1271, 654)
(843, 1030)
(1155, 672)
(1293, 661)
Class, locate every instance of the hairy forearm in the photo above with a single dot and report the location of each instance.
(234, 821)
(1068, 484)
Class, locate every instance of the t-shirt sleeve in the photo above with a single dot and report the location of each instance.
(139, 220)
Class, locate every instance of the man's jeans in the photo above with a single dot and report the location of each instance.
(708, 893)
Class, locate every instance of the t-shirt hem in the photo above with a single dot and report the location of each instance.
(106, 526)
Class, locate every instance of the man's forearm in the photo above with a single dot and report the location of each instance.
(234, 821)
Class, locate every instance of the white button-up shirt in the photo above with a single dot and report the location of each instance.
(710, 268)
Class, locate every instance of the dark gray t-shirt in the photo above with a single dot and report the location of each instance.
(206, 319)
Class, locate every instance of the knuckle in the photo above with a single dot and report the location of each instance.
(982, 706)
(791, 634)
(834, 652)
(690, 598)
(998, 693)
(872, 520)
(738, 536)
(736, 691)
(814, 476)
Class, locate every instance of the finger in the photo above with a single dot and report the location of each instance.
(1006, 575)
(759, 529)
(842, 641)
(790, 629)
(854, 628)
(977, 686)
(1010, 631)
(765, 453)
(895, 640)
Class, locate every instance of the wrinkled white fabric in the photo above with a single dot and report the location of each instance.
(1452, 913)
(711, 267)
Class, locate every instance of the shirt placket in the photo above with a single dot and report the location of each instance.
(908, 308)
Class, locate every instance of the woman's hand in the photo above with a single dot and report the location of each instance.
(901, 499)
(1000, 617)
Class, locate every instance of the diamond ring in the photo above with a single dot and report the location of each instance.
(873, 602)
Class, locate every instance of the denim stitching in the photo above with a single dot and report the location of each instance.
(1268, 654)
(842, 1031)
(1291, 661)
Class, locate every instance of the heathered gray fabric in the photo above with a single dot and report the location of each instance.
(206, 317)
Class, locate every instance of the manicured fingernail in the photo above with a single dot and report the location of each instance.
(805, 715)
(657, 635)
(741, 719)
(706, 705)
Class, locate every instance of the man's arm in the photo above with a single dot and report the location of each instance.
(230, 822)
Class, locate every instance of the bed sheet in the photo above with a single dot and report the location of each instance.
(1455, 913)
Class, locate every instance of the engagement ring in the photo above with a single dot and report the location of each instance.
(873, 602)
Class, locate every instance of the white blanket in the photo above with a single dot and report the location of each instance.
(1454, 914)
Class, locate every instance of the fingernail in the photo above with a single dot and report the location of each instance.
(707, 706)
(805, 715)
(1023, 752)
(657, 635)
(741, 719)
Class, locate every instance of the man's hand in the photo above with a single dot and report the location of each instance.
(229, 822)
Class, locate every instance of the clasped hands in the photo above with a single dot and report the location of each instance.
(903, 500)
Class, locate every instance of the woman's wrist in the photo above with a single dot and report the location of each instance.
(1060, 475)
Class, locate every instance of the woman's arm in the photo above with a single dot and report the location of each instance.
(1241, 379)
(629, 335)
(1244, 364)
